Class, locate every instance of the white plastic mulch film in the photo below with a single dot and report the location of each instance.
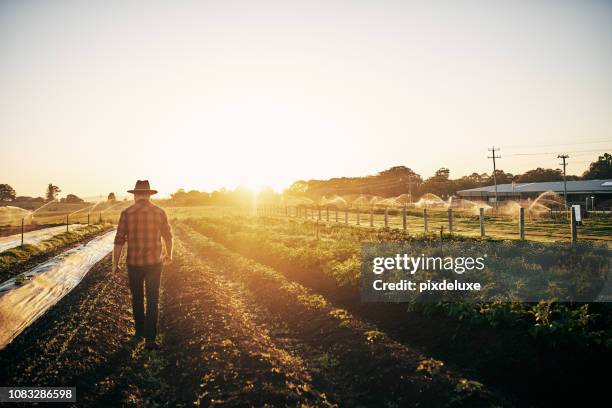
(30, 237)
(21, 305)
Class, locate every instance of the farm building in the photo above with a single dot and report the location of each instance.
(598, 193)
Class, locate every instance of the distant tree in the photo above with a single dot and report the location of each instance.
(600, 169)
(52, 192)
(439, 183)
(7, 193)
(502, 177)
(29, 199)
(540, 175)
(111, 197)
(191, 198)
(472, 181)
(442, 174)
(72, 199)
(298, 188)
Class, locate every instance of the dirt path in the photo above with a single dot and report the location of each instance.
(219, 349)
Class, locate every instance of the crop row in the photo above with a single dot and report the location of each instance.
(354, 355)
(299, 251)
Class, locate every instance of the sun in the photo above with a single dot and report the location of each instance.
(253, 185)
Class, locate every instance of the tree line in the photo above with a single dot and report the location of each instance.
(401, 180)
(8, 194)
(388, 183)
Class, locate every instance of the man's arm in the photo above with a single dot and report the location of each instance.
(117, 249)
(169, 248)
(166, 233)
(120, 238)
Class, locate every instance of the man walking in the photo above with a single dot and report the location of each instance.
(142, 225)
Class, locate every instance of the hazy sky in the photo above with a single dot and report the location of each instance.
(204, 94)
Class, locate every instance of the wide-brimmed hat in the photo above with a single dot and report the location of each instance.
(143, 187)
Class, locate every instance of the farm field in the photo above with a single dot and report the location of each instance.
(267, 309)
(231, 345)
(563, 338)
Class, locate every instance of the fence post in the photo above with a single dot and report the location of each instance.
(482, 223)
(386, 217)
(319, 212)
(327, 213)
(22, 231)
(425, 227)
(574, 226)
(87, 218)
(522, 223)
(336, 210)
(358, 215)
(450, 220)
(66, 223)
(404, 217)
(371, 216)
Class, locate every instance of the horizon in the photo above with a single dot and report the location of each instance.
(204, 96)
(160, 196)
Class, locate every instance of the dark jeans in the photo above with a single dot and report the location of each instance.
(147, 276)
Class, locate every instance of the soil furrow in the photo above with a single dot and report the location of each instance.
(220, 351)
(355, 357)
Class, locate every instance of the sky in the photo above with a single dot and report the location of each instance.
(206, 94)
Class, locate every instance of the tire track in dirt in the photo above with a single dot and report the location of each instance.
(222, 357)
(357, 364)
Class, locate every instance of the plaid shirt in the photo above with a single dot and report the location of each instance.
(142, 225)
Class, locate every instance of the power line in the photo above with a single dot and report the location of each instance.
(561, 144)
(574, 151)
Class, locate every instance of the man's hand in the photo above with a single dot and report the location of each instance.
(116, 257)
(167, 259)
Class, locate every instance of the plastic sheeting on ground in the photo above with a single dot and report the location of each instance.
(30, 237)
(21, 305)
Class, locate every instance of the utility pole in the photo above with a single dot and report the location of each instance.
(493, 156)
(564, 164)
